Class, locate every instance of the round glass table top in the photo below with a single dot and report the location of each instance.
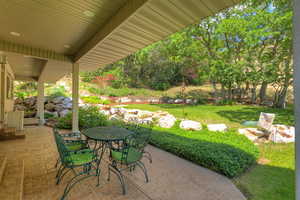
(107, 133)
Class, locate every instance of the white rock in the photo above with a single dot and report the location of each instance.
(282, 134)
(178, 101)
(125, 100)
(216, 127)
(67, 100)
(148, 120)
(105, 112)
(130, 118)
(167, 121)
(189, 101)
(115, 117)
(68, 105)
(190, 125)
(57, 100)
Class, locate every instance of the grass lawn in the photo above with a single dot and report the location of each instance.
(232, 116)
(273, 177)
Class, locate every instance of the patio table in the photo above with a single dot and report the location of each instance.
(103, 136)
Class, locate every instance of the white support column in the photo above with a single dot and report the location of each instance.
(296, 54)
(75, 96)
(40, 102)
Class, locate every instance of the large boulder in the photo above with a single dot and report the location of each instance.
(216, 127)
(67, 100)
(178, 101)
(58, 100)
(148, 120)
(30, 101)
(20, 107)
(50, 107)
(166, 121)
(282, 134)
(67, 105)
(190, 125)
(59, 107)
(132, 118)
(18, 101)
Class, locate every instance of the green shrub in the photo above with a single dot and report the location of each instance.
(48, 115)
(95, 100)
(88, 117)
(227, 153)
(56, 91)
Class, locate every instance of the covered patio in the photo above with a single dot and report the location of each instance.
(30, 175)
(42, 41)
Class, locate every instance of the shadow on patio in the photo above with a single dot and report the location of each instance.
(170, 176)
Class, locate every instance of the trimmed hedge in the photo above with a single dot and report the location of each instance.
(227, 153)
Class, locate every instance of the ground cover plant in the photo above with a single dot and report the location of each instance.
(89, 116)
(271, 178)
(226, 153)
(232, 116)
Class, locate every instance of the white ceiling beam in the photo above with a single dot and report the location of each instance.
(124, 13)
(43, 71)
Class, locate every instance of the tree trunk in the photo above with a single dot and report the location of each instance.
(253, 94)
(282, 98)
(223, 92)
(263, 91)
(215, 90)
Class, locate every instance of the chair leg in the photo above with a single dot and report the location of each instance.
(120, 176)
(72, 183)
(62, 176)
(57, 162)
(148, 156)
(142, 166)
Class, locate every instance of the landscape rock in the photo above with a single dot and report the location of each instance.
(105, 112)
(190, 125)
(115, 117)
(18, 101)
(67, 106)
(217, 127)
(20, 107)
(58, 100)
(178, 101)
(50, 106)
(166, 121)
(147, 120)
(30, 101)
(67, 100)
(130, 118)
(282, 134)
(59, 107)
(189, 101)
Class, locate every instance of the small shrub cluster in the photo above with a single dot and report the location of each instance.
(95, 100)
(226, 153)
(88, 117)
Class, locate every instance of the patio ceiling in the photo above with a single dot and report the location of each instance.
(94, 33)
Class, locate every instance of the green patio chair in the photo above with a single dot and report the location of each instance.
(127, 155)
(73, 142)
(142, 130)
(83, 163)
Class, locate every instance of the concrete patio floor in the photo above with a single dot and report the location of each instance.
(171, 178)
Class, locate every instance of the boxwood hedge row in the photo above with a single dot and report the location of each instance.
(227, 153)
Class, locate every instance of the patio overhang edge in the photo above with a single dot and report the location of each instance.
(33, 52)
(116, 21)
